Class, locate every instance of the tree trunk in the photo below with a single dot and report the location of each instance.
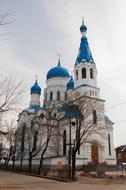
(13, 166)
(40, 164)
(73, 164)
(10, 154)
(7, 163)
(30, 164)
(21, 161)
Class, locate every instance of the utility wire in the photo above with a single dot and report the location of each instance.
(115, 105)
(120, 121)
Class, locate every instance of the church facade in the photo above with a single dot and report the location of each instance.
(82, 90)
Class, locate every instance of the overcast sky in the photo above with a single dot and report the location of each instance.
(43, 28)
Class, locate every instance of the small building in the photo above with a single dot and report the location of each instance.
(121, 153)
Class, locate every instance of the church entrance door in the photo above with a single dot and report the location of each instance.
(94, 153)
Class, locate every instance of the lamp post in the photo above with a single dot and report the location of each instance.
(71, 111)
(70, 150)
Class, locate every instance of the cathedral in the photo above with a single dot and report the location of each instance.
(80, 89)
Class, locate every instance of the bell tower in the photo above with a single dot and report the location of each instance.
(85, 72)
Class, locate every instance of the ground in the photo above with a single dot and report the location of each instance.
(14, 181)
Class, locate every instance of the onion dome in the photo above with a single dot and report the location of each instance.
(70, 84)
(83, 27)
(84, 54)
(58, 71)
(35, 89)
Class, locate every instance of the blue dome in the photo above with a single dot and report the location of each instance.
(70, 84)
(35, 89)
(83, 27)
(58, 71)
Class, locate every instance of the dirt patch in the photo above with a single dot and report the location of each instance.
(106, 180)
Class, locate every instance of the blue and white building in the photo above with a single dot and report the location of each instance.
(62, 87)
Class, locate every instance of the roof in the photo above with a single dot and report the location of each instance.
(107, 120)
(35, 89)
(85, 85)
(83, 27)
(121, 148)
(70, 84)
(58, 71)
(84, 54)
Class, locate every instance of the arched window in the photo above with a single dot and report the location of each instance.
(58, 95)
(91, 73)
(46, 97)
(51, 96)
(90, 93)
(94, 117)
(109, 144)
(83, 72)
(76, 74)
(65, 98)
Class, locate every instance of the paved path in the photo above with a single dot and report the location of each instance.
(12, 181)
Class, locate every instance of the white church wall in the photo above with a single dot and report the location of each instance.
(57, 81)
(110, 157)
(54, 90)
(87, 80)
(87, 91)
(35, 99)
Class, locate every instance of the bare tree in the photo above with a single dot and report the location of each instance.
(34, 139)
(40, 134)
(14, 148)
(36, 132)
(11, 94)
(22, 131)
(87, 121)
(8, 141)
(4, 19)
(52, 125)
(18, 148)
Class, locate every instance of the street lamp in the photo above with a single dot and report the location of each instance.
(70, 150)
(71, 111)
